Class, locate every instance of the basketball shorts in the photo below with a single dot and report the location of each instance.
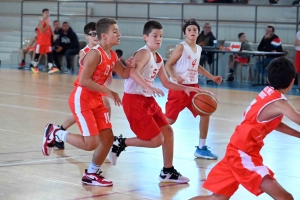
(89, 111)
(31, 49)
(297, 62)
(177, 101)
(144, 115)
(237, 168)
(43, 49)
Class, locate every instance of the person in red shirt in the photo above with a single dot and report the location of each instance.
(243, 163)
(43, 43)
(87, 105)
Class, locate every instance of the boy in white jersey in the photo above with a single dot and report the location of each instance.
(91, 36)
(243, 164)
(145, 116)
(183, 68)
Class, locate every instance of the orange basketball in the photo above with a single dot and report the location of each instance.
(204, 103)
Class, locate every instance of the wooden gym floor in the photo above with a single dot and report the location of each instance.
(29, 101)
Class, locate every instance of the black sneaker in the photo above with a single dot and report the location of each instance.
(116, 150)
(59, 145)
(230, 77)
(174, 177)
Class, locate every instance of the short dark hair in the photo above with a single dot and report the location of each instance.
(119, 52)
(55, 21)
(272, 27)
(65, 23)
(281, 72)
(35, 29)
(91, 26)
(150, 25)
(240, 35)
(103, 25)
(188, 22)
(45, 9)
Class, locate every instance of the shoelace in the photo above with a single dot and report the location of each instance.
(98, 172)
(175, 172)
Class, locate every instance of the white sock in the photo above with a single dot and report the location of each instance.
(201, 143)
(50, 65)
(35, 64)
(93, 168)
(61, 135)
(32, 62)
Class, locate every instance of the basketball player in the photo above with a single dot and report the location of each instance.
(145, 117)
(243, 163)
(91, 36)
(29, 49)
(43, 44)
(87, 105)
(183, 68)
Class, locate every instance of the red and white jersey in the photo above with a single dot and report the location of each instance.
(248, 136)
(187, 64)
(45, 37)
(104, 68)
(148, 73)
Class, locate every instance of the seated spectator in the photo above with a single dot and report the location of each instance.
(239, 57)
(67, 45)
(297, 57)
(269, 43)
(57, 29)
(206, 38)
(29, 49)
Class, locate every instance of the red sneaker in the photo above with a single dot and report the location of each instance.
(35, 70)
(95, 179)
(22, 64)
(49, 138)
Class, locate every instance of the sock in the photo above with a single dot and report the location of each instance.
(168, 170)
(231, 70)
(201, 143)
(50, 65)
(93, 168)
(35, 64)
(122, 141)
(61, 135)
(32, 62)
(62, 128)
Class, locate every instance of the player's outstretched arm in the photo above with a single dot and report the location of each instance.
(176, 54)
(124, 71)
(217, 79)
(282, 127)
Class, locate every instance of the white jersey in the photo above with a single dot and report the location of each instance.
(298, 38)
(187, 65)
(148, 73)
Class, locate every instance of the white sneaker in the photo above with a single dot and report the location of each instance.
(174, 177)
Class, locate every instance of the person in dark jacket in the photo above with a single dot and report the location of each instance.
(67, 45)
(269, 43)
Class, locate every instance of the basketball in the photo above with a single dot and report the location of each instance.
(204, 103)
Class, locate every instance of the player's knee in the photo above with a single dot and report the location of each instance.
(157, 141)
(171, 121)
(106, 136)
(90, 146)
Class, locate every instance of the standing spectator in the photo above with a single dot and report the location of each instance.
(67, 45)
(297, 57)
(29, 49)
(269, 43)
(206, 38)
(238, 58)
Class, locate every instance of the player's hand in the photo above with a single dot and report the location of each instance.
(156, 92)
(130, 62)
(109, 79)
(178, 79)
(217, 79)
(54, 37)
(188, 90)
(114, 96)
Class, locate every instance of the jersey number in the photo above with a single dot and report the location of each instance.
(154, 73)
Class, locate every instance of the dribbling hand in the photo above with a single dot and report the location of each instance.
(188, 90)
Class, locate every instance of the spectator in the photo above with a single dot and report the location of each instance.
(67, 45)
(238, 58)
(297, 57)
(29, 49)
(57, 31)
(269, 43)
(206, 38)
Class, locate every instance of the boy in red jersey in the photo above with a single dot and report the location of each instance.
(43, 43)
(183, 68)
(145, 116)
(87, 105)
(91, 36)
(243, 163)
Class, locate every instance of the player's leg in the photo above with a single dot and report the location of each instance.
(174, 105)
(23, 55)
(65, 125)
(51, 68)
(107, 104)
(274, 189)
(38, 51)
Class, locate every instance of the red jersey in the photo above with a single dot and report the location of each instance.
(104, 68)
(248, 136)
(45, 37)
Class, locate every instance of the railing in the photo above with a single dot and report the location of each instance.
(183, 7)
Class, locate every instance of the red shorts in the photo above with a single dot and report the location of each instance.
(177, 101)
(297, 62)
(89, 111)
(237, 168)
(242, 60)
(144, 115)
(31, 48)
(43, 49)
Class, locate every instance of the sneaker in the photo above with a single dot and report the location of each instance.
(205, 153)
(22, 64)
(174, 177)
(230, 77)
(35, 70)
(59, 145)
(95, 179)
(49, 138)
(31, 65)
(54, 70)
(116, 150)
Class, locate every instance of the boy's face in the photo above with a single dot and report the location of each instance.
(113, 36)
(46, 14)
(92, 38)
(243, 38)
(154, 39)
(191, 32)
